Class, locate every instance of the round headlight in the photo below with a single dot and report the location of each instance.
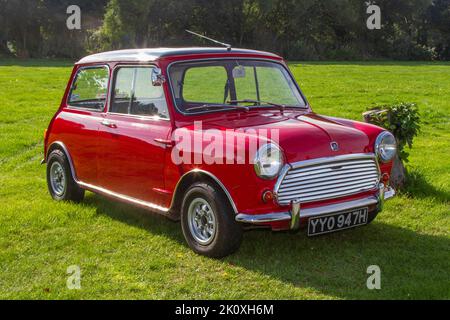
(268, 161)
(385, 146)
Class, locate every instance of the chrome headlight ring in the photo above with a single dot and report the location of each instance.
(385, 146)
(269, 161)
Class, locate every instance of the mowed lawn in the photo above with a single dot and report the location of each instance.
(125, 252)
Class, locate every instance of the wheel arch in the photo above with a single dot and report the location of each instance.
(61, 146)
(194, 176)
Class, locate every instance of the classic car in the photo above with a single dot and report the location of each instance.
(221, 139)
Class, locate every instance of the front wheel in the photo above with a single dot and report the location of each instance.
(372, 216)
(208, 222)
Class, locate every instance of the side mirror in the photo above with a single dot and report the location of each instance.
(157, 78)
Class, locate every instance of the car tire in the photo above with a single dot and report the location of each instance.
(372, 216)
(208, 224)
(60, 182)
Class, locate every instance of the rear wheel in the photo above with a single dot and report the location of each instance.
(208, 222)
(60, 182)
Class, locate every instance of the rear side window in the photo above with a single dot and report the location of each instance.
(135, 94)
(89, 89)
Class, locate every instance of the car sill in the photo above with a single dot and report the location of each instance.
(141, 203)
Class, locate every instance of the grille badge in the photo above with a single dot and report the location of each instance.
(334, 146)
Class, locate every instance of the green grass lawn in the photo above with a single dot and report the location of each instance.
(125, 252)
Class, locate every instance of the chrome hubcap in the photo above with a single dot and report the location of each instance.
(202, 221)
(57, 178)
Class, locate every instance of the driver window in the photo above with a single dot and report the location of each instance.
(135, 94)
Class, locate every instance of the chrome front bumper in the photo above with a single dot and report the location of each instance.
(296, 212)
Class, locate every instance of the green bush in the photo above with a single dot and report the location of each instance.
(401, 119)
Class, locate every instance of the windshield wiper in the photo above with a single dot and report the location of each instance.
(220, 106)
(257, 103)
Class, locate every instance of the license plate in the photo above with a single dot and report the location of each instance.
(337, 221)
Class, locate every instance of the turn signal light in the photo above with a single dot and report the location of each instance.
(267, 196)
(385, 179)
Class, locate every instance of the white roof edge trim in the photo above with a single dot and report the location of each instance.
(152, 54)
(139, 55)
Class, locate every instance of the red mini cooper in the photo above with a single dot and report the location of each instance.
(221, 139)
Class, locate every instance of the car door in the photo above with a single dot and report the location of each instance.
(80, 120)
(133, 137)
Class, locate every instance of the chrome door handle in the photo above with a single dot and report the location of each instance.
(165, 142)
(108, 124)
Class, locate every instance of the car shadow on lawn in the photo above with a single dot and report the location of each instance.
(413, 265)
(419, 187)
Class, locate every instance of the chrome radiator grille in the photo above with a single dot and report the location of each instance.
(327, 178)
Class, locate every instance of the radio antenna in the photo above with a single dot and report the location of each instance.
(228, 46)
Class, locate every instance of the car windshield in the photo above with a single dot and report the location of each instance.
(207, 86)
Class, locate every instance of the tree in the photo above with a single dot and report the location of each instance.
(297, 29)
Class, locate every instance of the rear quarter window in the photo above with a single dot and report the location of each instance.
(90, 88)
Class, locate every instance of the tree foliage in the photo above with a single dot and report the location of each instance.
(297, 29)
(37, 28)
(401, 119)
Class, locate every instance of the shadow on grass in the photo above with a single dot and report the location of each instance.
(418, 187)
(412, 265)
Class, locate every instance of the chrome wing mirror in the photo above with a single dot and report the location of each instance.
(157, 78)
